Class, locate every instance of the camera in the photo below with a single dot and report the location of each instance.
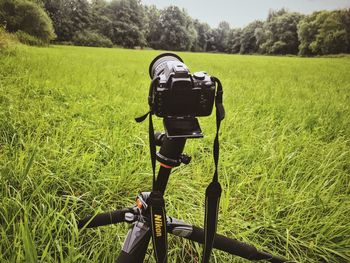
(178, 93)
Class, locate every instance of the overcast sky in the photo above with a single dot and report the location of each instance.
(241, 13)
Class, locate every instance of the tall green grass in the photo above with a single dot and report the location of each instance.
(69, 147)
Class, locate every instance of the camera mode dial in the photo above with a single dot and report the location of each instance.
(199, 75)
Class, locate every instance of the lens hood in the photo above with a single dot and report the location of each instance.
(158, 60)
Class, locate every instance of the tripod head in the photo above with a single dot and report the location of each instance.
(166, 155)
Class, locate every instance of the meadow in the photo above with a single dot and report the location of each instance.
(69, 147)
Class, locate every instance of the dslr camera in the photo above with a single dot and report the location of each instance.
(178, 93)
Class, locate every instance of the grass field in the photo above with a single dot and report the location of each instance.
(69, 147)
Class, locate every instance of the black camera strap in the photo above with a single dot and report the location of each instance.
(213, 191)
(155, 201)
(156, 206)
(151, 138)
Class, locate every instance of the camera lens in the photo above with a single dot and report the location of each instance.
(158, 64)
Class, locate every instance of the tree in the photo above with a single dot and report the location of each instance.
(234, 40)
(192, 32)
(219, 38)
(153, 25)
(174, 33)
(100, 22)
(26, 16)
(127, 22)
(59, 13)
(307, 30)
(222, 34)
(81, 14)
(69, 17)
(345, 18)
(325, 32)
(249, 42)
(332, 35)
(279, 34)
(202, 30)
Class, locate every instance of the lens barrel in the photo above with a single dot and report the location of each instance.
(158, 64)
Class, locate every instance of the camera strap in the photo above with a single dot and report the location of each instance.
(155, 201)
(213, 191)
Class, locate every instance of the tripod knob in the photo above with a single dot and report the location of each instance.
(185, 159)
(159, 138)
(130, 217)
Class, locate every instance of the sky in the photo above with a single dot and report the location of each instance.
(241, 13)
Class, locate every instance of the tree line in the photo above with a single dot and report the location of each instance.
(129, 23)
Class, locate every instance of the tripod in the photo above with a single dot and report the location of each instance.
(135, 246)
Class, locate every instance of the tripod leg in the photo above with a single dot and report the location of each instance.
(108, 218)
(135, 244)
(221, 242)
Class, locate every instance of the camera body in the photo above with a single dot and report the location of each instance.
(179, 94)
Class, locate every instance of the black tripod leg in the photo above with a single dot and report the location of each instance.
(234, 247)
(221, 242)
(135, 245)
(108, 218)
(136, 242)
